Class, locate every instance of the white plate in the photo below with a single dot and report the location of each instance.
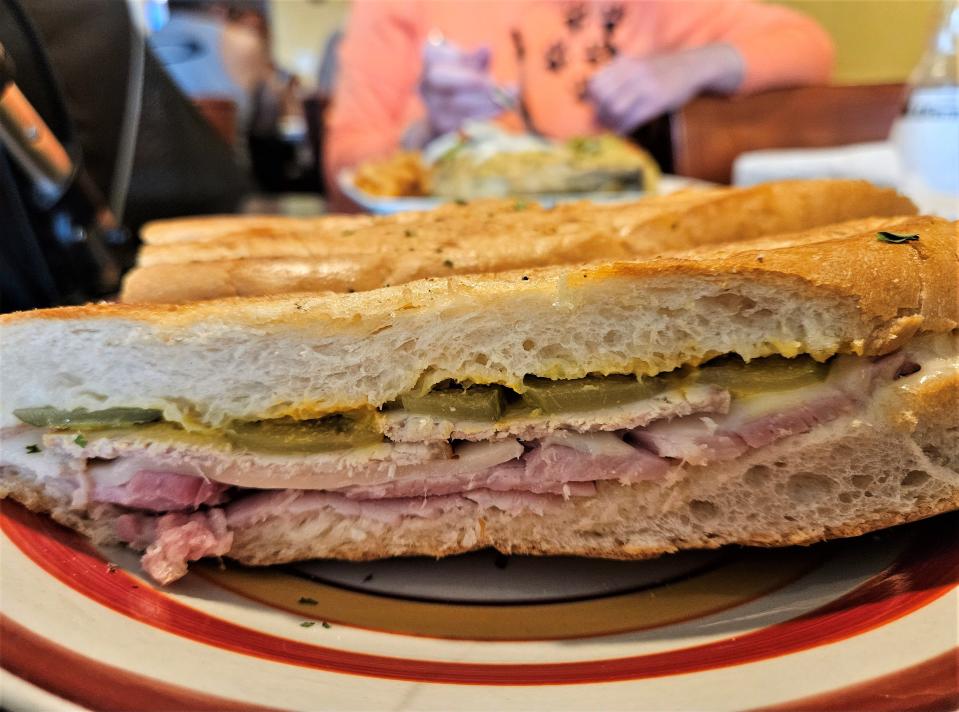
(387, 206)
(851, 625)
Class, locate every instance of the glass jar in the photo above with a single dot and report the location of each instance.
(927, 135)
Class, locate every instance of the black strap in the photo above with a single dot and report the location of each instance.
(35, 75)
(25, 278)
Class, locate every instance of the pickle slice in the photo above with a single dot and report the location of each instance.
(479, 403)
(334, 432)
(773, 373)
(589, 393)
(82, 419)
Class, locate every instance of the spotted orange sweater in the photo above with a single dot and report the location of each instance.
(564, 43)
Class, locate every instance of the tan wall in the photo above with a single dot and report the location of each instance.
(876, 40)
(300, 29)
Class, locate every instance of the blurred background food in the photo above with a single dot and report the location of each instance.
(483, 161)
(402, 174)
(167, 108)
(477, 165)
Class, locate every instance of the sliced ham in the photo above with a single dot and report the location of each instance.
(504, 477)
(694, 440)
(257, 508)
(508, 477)
(514, 503)
(858, 376)
(160, 492)
(757, 421)
(173, 540)
(468, 459)
(130, 453)
(750, 423)
(763, 423)
(119, 461)
(583, 459)
(137, 530)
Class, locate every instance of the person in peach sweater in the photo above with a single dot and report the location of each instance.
(410, 71)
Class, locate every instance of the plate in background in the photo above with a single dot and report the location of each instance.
(862, 623)
(379, 205)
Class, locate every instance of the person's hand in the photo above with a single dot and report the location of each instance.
(456, 86)
(630, 91)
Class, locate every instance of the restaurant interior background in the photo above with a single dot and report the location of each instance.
(178, 167)
(876, 40)
(878, 45)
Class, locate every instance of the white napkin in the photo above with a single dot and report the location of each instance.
(877, 162)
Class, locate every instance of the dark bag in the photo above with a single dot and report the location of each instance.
(44, 257)
(141, 149)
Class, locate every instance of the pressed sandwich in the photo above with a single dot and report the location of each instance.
(769, 393)
(223, 256)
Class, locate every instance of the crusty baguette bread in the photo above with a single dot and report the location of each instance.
(896, 463)
(358, 272)
(196, 281)
(202, 258)
(762, 209)
(210, 227)
(308, 355)
(891, 457)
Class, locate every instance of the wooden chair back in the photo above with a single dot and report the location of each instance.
(710, 132)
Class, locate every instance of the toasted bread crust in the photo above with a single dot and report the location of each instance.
(677, 221)
(196, 281)
(212, 227)
(898, 288)
(249, 256)
(357, 272)
(807, 202)
(899, 293)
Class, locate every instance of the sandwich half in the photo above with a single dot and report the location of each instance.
(204, 258)
(769, 393)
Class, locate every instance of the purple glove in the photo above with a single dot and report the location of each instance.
(630, 91)
(456, 86)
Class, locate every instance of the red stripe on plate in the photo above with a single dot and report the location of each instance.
(930, 686)
(97, 685)
(926, 571)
